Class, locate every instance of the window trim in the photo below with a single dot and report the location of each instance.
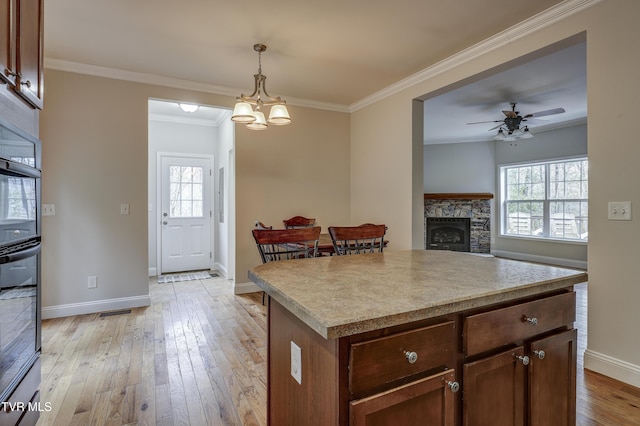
(502, 170)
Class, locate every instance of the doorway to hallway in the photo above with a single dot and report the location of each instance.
(198, 211)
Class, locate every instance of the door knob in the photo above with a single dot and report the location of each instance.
(164, 214)
(164, 222)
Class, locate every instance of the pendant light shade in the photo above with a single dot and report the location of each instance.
(243, 113)
(259, 123)
(279, 115)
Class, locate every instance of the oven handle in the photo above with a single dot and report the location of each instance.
(18, 169)
(20, 255)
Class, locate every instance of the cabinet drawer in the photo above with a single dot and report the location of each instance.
(427, 401)
(377, 362)
(500, 327)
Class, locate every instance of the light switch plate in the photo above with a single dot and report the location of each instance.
(296, 362)
(48, 210)
(619, 210)
(124, 208)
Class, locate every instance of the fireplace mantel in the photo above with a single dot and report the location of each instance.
(459, 196)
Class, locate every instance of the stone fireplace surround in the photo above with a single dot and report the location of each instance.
(476, 206)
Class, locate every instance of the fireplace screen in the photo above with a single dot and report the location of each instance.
(448, 233)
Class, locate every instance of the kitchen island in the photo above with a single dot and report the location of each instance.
(392, 337)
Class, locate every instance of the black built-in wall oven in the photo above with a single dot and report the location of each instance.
(20, 164)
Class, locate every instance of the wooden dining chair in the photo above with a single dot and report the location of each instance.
(299, 222)
(260, 225)
(366, 238)
(286, 244)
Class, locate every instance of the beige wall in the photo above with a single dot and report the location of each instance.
(94, 133)
(299, 169)
(613, 92)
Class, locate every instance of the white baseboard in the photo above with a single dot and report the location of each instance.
(153, 272)
(242, 288)
(83, 308)
(612, 367)
(222, 269)
(569, 263)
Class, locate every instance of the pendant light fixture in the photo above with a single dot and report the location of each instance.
(244, 112)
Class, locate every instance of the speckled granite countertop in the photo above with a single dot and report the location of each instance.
(344, 295)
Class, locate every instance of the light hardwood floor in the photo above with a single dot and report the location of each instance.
(197, 356)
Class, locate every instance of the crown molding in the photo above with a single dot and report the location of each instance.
(524, 28)
(535, 23)
(136, 77)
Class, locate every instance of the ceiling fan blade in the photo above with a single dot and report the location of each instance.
(493, 128)
(546, 112)
(484, 122)
(534, 121)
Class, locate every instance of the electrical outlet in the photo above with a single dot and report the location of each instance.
(620, 210)
(92, 282)
(296, 362)
(124, 208)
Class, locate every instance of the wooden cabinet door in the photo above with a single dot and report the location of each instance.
(29, 56)
(493, 390)
(552, 380)
(7, 40)
(428, 401)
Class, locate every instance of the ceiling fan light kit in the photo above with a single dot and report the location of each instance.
(243, 112)
(509, 128)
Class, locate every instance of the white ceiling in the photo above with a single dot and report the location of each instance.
(332, 53)
(556, 80)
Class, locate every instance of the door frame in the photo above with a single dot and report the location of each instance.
(158, 215)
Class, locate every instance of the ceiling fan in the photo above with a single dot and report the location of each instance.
(510, 125)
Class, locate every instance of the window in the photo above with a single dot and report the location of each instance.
(546, 200)
(185, 186)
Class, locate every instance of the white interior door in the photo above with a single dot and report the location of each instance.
(185, 209)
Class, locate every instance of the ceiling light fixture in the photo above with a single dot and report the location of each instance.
(189, 107)
(243, 111)
(505, 134)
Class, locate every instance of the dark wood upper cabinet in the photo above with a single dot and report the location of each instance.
(7, 40)
(21, 48)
